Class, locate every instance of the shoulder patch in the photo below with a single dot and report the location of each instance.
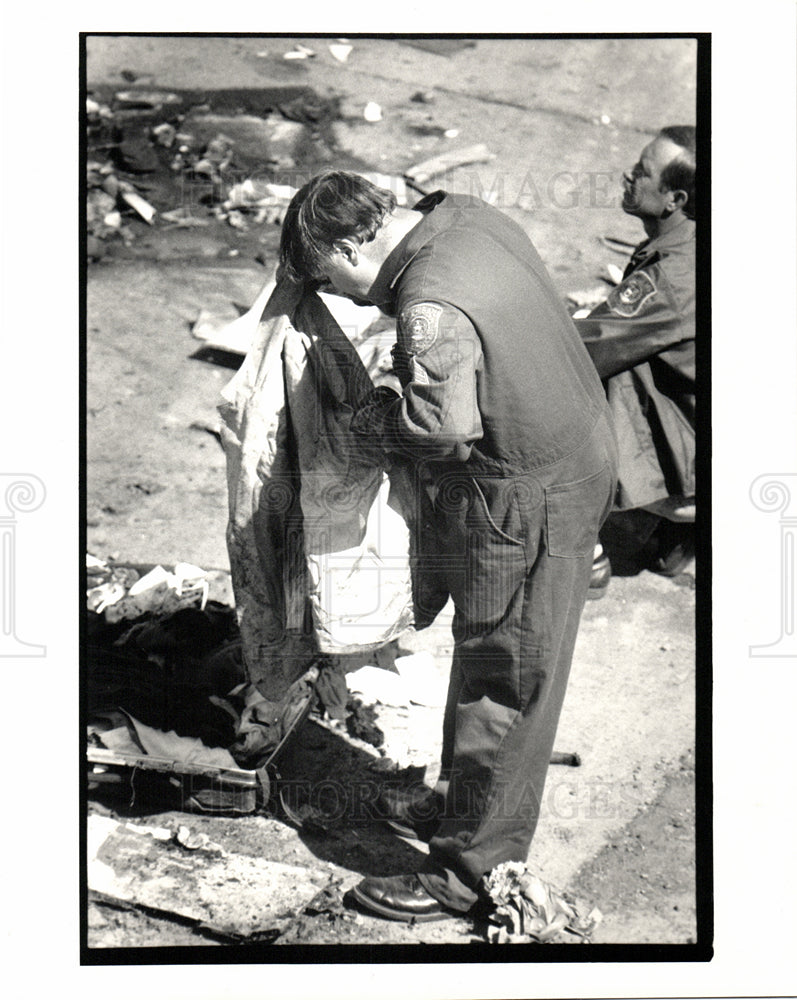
(420, 324)
(629, 296)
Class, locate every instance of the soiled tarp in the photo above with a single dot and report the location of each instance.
(319, 558)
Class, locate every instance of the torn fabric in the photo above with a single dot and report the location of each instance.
(319, 558)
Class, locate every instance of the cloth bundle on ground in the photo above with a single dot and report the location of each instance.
(319, 553)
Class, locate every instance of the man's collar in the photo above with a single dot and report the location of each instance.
(679, 234)
(382, 291)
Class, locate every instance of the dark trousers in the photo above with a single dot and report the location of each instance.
(517, 554)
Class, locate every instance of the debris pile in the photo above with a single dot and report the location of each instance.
(195, 165)
(529, 910)
(121, 593)
(162, 660)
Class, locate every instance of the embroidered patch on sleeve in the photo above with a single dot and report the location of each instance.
(420, 324)
(629, 297)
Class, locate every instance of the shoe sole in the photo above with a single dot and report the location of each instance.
(407, 918)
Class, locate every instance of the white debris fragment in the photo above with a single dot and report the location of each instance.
(340, 51)
(299, 51)
(373, 684)
(140, 205)
(372, 112)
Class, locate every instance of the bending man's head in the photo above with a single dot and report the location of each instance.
(328, 225)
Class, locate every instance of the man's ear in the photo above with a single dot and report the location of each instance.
(677, 199)
(348, 249)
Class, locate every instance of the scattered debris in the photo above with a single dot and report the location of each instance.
(165, 134)
(361, 723)
(529, 910)
(138, 204)
(420, 173)
(146, 98)
(135, 155)
(95, 110)
(215, 158)
(306, 816)
(192, 841)
(299, 51)
(615, 274)
(182, 218)
(340, 51)
(266, 202)
(200, 778)
(372, 112)
(423, 97)
(119, 597)
(451, 133)
(329, 902)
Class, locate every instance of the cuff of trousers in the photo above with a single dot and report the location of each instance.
(447, 888)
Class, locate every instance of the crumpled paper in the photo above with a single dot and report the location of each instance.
(527, 909)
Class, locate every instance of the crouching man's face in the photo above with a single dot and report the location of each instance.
(642, 188)
(350, 270)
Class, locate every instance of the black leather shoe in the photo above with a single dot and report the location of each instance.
(401, 897)
(413, 813)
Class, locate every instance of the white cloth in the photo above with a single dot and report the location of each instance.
(319, 560)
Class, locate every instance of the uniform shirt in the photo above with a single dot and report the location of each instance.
(650, 317)
(642, 341)
(492, 368)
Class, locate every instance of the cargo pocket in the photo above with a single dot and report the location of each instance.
(493, 549)
(575, 512)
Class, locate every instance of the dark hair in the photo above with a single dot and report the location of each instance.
(679, 174)
(332, 206)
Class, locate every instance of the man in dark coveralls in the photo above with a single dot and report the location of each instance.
(504, 425)
(642, 340)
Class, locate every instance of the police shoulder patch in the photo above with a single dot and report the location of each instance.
(420, 324)
(630, 296)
